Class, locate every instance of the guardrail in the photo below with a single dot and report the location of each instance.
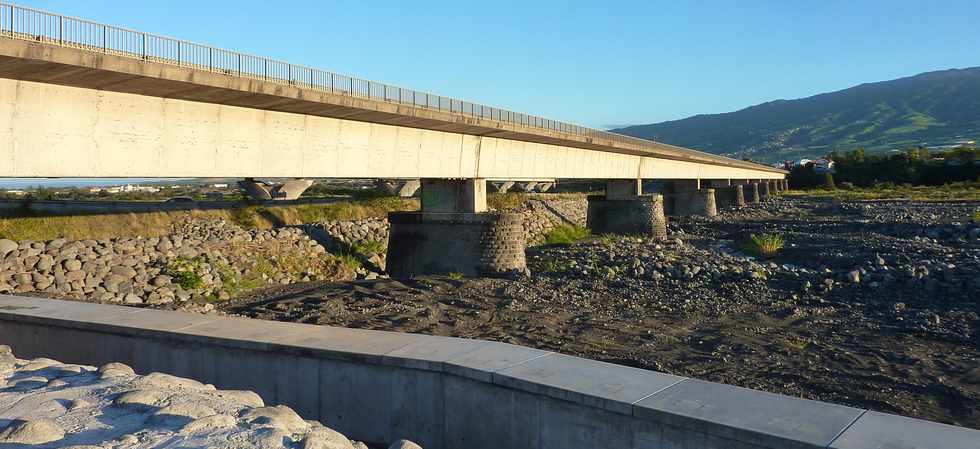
(31, 24)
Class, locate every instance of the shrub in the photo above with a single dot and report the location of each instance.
(765, 245)
(185, 272)
(976, 216)
(455, 276)
(566, 234)
(367, 247)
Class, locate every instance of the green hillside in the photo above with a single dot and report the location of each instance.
(935, 108)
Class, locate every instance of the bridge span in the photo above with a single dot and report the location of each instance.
(84, 99)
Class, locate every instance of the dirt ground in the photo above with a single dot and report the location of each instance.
(904, 339)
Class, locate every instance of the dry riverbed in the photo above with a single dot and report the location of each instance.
(871, 304)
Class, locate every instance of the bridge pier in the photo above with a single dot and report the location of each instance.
(750, 192)
(503, 186)
(689, 199)
(763, 189)
(263, 191)
(405, 188)
(727, 194)
(626, 210)
(454, 233)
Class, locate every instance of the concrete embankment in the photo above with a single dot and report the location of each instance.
(452, 393)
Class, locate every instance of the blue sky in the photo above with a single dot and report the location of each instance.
(593, 63)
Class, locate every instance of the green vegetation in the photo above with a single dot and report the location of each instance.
(368, 247)
(456, 276)
(185, 272)
(506, 201)
(937, 107)
(958, 191)
(566, 234)
(976, 216)
(765, 245)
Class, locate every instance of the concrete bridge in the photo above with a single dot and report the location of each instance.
(82, 99)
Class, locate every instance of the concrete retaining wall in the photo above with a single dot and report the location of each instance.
(452, 393)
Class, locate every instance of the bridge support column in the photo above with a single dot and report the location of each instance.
(727, 194)
(263, 191)
(626, 210)
(751, 192)
(774, 187)
(763, 189)
(691, 199)
(405, 188)
(526, 186)
(454, 233)
(502, 187)
(545, 186)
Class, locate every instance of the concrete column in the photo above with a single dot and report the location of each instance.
(774, 187)
(263, 191)
(689, 198)
(292, 189)
(545, 186)
(256, 190)
(526, 186)
(502, 186)
(626, 210)
(454, 195)
(623, 189)
(405, 188)
(454, 233)
(763, 190)
(727, 194)
(751, 192)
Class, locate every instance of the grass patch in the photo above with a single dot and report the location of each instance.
(976, 216)
(455, 276)
(185, 272)
(506, 201)
(765, 245)
(367, 247)
(156, 224)
(960, 191)
(566, 234)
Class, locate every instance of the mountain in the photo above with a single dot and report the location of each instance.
(934, 109)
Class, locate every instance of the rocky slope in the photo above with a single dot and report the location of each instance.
(48, 404)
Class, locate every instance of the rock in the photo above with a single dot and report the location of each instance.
(110, 370)
(279, 417)
(73, 265)
(192, 410)
(166, 380)
(6, 246)
(854, 276)
(209, 423)
(37, 431)
(404, 444)
(326, 438)
(140, 400)
(161, 280)
(124, 271)
(246, 397)
(131, 298)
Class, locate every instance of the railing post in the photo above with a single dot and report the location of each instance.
(144, 45)
(105, 39)
(239, 64)
(210, 59)
(178, 53)
(61, 30)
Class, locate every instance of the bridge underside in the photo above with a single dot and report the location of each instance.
(50, 130)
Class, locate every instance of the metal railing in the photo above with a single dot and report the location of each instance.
(31, 24)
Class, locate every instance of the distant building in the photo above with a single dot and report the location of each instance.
(16, 192)
(220, 186)
(124, 189)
